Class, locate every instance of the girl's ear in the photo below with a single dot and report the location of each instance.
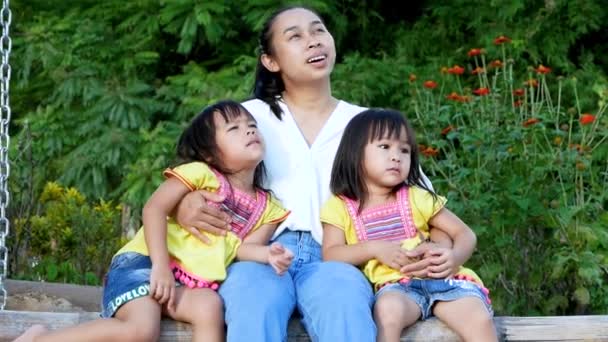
(269, 63)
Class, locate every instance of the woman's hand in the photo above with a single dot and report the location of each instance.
(194, 214)
(279, 258)
(162, 285)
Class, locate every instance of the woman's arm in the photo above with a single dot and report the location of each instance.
(464, 238)
(336, 249)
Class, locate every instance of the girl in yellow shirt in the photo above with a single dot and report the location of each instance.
(164, 269)
(380, 209)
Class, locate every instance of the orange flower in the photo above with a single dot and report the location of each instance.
(430, 152)
(517, 103)
(430, 84)
(456, 70)
(543, 69)
(478, 70)
(530, 122)
(453, 96)
(474, 52)
(501, 40)
(586, 119)
(464, 98)
(412, 77)
(519, 92)
(496, 63)
(447, 130)
(481, 91)
(531, 83)
(444, 70)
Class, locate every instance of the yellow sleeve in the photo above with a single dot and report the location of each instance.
(423, 205)
(274, 212)
(195, 175)
(334, 212)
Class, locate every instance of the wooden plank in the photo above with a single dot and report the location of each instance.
(560, 328)
(554, 328)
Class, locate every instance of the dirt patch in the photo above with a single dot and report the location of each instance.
(37, 301)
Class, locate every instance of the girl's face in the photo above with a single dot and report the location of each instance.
(386, 162)
(302, 48)
(239, 142)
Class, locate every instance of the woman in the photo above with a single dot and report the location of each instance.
(302, 123)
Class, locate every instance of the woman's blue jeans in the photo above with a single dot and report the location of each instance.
(334, 298)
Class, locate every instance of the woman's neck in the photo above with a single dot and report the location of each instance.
(310, 98)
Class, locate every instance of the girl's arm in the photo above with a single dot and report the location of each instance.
(255, 248)
(336, 249)
(441, 238)
(154, 216)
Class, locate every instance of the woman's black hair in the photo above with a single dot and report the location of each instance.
(268, 86)
(197, 142)
(347, 176)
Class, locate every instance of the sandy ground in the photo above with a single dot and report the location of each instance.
(37, 301)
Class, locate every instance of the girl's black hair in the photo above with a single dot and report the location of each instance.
(268, 86)
(197, 142)
(347, 176)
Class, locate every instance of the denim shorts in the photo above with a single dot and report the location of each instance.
(425, 292)
(127, 279)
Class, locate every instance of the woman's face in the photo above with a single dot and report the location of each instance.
(301, 47)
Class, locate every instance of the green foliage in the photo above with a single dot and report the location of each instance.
(71, 240)
(102, 90)
(527, 170)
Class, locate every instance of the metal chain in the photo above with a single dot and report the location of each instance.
(5, 118)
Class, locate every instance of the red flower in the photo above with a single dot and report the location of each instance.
(496, 63)
(430, 152)
(586, 119)
(474, 52)
(481, 91)
(530, 122)
(517, 103)
(501, 40)
(543, 69)
(430, 84)
(456, 70)
(412, 77)
(464, 98)
(447, 130)
(478, 70)
(519, 92)
(531, 83)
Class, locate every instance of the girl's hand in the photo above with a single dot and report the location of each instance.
(420, 267)
(194, 214)
(162, 285)
(279, 258)
(391, 254)
(442, 261)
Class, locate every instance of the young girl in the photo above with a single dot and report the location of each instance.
(380, 208)
(223, 152)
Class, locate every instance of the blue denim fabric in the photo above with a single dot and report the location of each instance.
(127, 279)
(334, 298)
(425, 292)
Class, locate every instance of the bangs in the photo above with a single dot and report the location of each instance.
(232, 111)
(385, 127)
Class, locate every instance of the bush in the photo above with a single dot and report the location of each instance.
(524, 164)
(70, 240)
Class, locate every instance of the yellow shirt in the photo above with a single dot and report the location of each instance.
(422, 206)
(208, 262)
